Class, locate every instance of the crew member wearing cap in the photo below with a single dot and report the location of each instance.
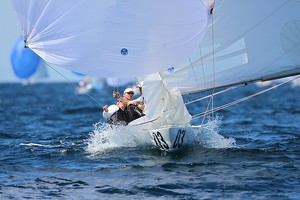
(134, 108)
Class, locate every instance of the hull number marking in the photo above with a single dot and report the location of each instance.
(179, 138)
(162, 144)
(159, 140)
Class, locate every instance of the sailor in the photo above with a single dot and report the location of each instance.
(115, 114)
(134, 108)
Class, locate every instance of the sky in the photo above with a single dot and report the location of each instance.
(9, 33)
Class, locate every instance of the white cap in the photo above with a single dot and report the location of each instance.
(128, 90)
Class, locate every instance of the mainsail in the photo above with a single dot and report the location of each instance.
(246, 41)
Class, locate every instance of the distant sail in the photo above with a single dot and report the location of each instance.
(23, 60)
(89, 84)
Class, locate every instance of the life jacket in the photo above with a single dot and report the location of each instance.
(133, 112)
(118, 118)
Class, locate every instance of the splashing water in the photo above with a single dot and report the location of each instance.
(208, 136)
(105, 137)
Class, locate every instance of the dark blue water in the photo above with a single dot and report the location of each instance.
(49, 150)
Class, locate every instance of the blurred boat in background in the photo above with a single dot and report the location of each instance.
(89, 84)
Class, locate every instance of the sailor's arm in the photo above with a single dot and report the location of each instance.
(138, 104)
(105, 112)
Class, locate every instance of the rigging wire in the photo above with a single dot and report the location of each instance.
(213, 94)
(210, 100)
(203, 114)
(213, 59)
(98, 102)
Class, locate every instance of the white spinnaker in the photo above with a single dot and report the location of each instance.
(117, 82)
(110, 38)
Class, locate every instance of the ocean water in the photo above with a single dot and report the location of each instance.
(54, 145)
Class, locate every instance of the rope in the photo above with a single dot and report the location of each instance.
(101, 105)
(241, 100)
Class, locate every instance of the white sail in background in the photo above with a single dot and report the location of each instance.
(100, 38)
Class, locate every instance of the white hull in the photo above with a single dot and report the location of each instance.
(168, 138)
(172, 138)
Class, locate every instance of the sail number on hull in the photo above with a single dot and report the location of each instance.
(162, 144)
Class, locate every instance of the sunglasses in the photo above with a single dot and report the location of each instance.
(129, 92)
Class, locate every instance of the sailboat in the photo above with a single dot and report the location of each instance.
(89, 85)
(177, 48)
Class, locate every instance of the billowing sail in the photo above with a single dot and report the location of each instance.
(98, 38)
(246, 41)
